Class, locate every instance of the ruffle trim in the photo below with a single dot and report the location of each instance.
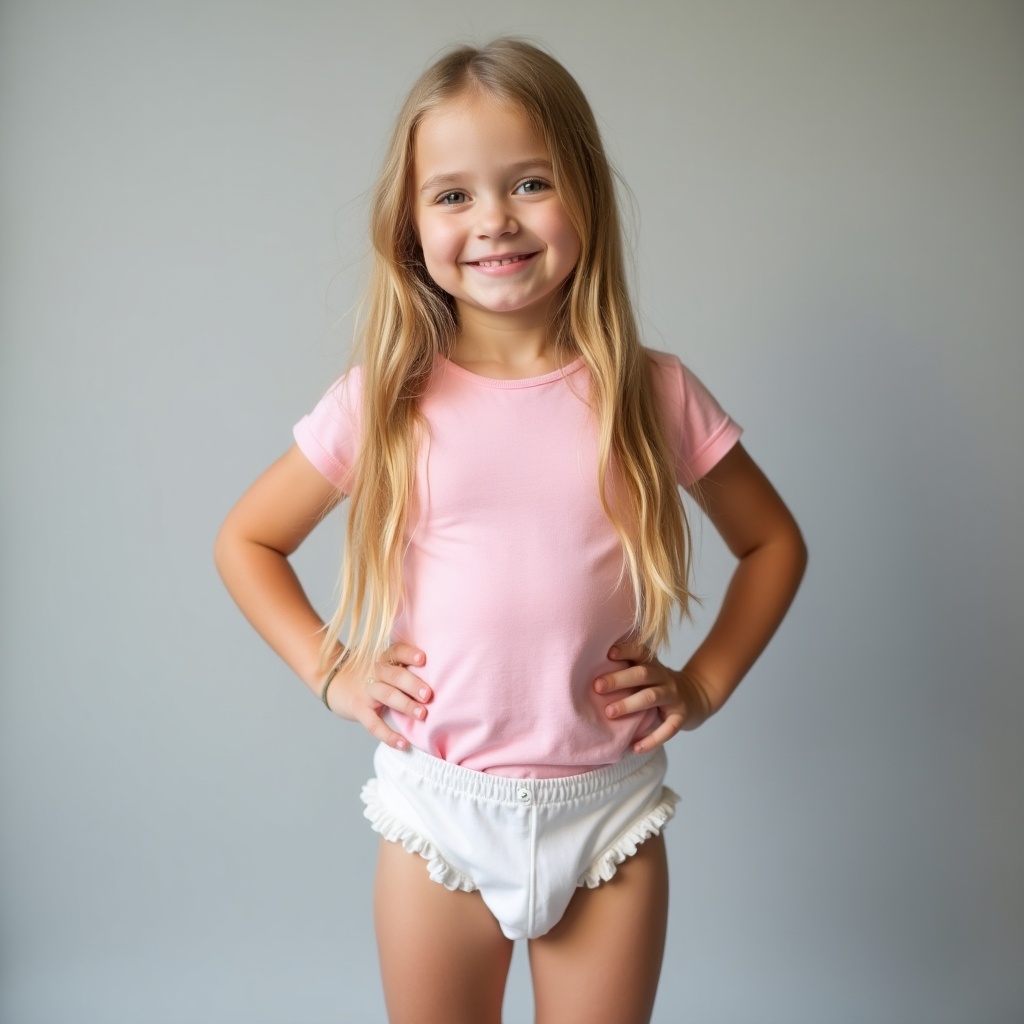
(395, 830)
(605, 866)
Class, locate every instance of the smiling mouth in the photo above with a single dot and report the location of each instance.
(503, 262)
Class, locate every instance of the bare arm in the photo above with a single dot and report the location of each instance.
(267, 525)
(760, 531)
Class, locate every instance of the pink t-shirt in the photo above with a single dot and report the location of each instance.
(512, 568)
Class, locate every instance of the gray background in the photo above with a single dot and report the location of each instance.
(829, 214)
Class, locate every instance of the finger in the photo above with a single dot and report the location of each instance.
(664, 732)
(395, 698)
(623, 679)
(404, 654)
(642, 700)
(404, 680)
(379, 729)
(630, 651)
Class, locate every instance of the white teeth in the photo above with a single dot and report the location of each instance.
(501, 263)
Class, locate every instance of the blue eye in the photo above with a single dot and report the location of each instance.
(532, 186)
(452, 198)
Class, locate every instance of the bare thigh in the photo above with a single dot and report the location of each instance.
(601, 963)
(443, 958)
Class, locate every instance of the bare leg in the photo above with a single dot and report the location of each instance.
(443, 958)
(600, 964)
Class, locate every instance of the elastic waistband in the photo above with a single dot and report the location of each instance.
(514, 791)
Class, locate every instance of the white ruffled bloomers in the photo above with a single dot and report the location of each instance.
(395, 831)
(603, 869)
(525, 844)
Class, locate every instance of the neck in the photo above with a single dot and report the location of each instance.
(505, 345)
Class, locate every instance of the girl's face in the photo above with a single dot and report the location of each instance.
(493, 230)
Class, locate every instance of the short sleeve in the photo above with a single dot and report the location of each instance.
(699, 430)
(329, 436)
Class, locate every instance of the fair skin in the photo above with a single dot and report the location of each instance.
(483, 195)
(493, 231)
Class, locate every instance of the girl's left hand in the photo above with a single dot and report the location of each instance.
(682, 701)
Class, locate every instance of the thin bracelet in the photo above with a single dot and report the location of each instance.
(330, 676)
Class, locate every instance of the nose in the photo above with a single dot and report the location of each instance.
(495, 218)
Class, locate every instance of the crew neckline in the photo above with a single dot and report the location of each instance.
(509, 385)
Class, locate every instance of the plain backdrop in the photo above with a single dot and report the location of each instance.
(827, 219)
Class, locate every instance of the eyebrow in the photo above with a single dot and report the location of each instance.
(440, 181)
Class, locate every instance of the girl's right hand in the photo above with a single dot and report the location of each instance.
(362, 698)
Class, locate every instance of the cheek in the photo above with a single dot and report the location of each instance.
(440, 242)
(573, 243)
(563, 236)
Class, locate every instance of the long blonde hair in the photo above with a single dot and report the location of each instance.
(409, 321)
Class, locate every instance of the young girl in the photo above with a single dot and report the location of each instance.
(516, 549)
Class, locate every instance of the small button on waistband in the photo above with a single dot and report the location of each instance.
(524, 795)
